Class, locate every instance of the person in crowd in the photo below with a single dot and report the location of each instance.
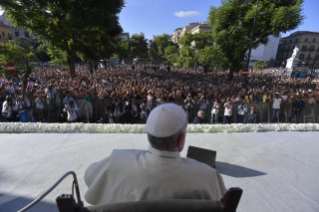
(144, 114)
(189, 103)
(276, 107)
(50, 91)
(40, 107)
(241, 110)
(127, 117)
(8, 109)
(135, 109)
(252, 116)
(71, 111)
(68, 98)
(203, 103)
(215, 111)
(297, 106)
(228, 111)
(157, 173)
(88, 105)
(199, 119)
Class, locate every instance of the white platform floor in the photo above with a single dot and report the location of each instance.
(278, 171)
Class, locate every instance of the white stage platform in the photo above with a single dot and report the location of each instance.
(278, 171)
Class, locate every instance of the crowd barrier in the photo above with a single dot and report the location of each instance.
(310, 114)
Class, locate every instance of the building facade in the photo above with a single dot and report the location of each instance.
(15, 32)
(5, 33)
(265, 52)
(125, 35)
(176, 36)
(307, 43)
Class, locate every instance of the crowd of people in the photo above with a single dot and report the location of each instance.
(133, 91)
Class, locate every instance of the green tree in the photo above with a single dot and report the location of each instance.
(260, 64)
(139, 46)
(20, 58)
(211, 58)
(233, 25)
(42, 52)
(171, 54)
(191, 45)
(162, 41)
(122, 49)
(153, 51)
(66, 25)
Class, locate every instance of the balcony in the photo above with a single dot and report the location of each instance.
(288, 50)
(309, 58)
(311, 48)
(304, 49)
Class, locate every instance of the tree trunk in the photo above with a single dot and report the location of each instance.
(231, 72)
(71, 64)
(91, 68)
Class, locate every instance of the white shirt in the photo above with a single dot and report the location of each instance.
(72, 115)
(39, 104)
(50, 93)
(135, 175)
(241, 111)
(10, 89)
(276, 103)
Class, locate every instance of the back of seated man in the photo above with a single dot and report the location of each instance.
(157, 173)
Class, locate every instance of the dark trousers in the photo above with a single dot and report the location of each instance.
(240, 118)
(227, 119)
(293, 113)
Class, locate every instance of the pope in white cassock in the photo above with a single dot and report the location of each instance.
(157, 173)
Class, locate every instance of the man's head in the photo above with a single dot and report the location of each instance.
(201, 114)
(166, 127)
(298, 98)
(253, 109)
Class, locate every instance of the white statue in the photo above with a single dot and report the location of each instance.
(294, 54)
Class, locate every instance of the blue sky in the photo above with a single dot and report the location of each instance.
(155, 17)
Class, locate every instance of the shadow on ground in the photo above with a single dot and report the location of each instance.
(12, 203)
(236, 171)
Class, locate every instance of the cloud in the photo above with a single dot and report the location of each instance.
(187, 14)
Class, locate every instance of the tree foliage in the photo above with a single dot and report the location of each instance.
(260, 65)
(20, 58)
(191, 45)
(171, 54)
(139, 46)
(162, 41)
(123, 49)
(233, 24)
(69, 26)
(153, 51)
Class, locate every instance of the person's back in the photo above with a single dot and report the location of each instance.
(134, 175)
(156, 173)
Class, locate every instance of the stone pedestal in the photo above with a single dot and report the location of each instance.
(291, 63)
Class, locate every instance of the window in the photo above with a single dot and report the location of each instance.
(297, 40)
(317, 57)
(309, 56)
(3, 34)
(285, 41)
(0, 36)
(312, 48)
(17, 34)
(304, 47)
(290, 41)
(26, 34)
(306, 39)
(313, 39)
(301, 56)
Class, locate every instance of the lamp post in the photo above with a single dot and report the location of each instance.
(252, 35)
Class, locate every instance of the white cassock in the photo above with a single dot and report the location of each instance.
(134, 175)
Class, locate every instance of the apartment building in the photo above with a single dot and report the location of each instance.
(307, 43)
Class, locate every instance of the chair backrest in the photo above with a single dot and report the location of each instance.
(159, 206)
(228, 203)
